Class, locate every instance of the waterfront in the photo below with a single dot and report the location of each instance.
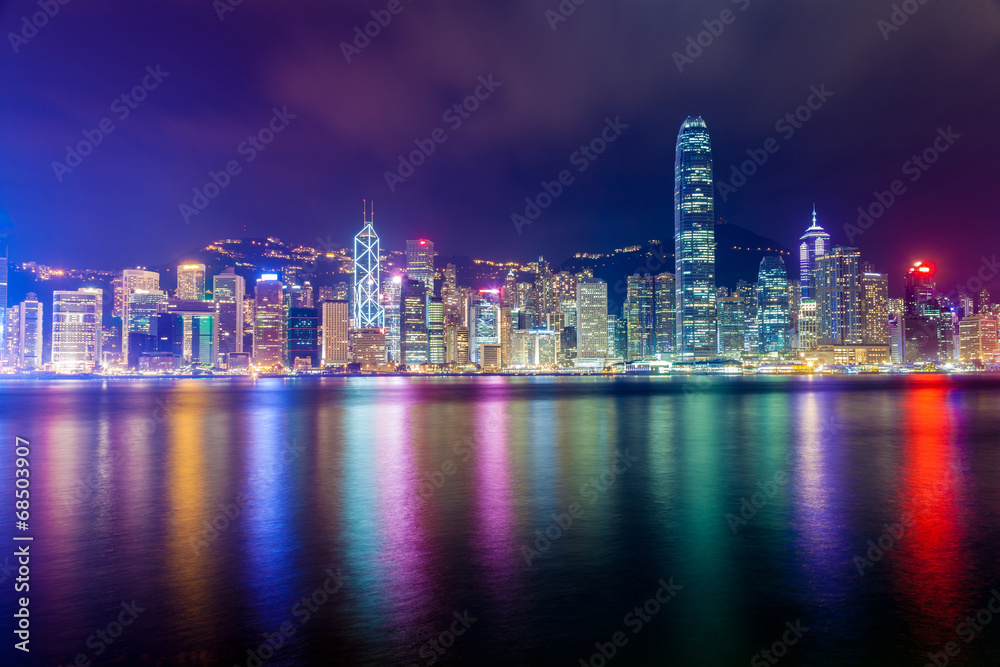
(518, 520)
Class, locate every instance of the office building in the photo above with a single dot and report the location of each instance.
(369, 348)
(76, 330)
(435, 330)
(392, 301)
(413, 323)
(484, 322)
(194, 327)
(228, 294)
(270, 324)
(336, 333)
(303, 338)
(772, 305)
(732, 324)
(694, 243)
(814, 244)
(368, 311)
(875, 308)
(808, 324)
(592, 320)
(191, 282)
(838, 297)
(4, 333)
(978, 338)
(30, 334)
(665, 313)
(131, 281)
(639, 316)
(420, 263)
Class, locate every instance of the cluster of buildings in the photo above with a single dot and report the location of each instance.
(837, 313)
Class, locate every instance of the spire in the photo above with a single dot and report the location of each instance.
(814, 216)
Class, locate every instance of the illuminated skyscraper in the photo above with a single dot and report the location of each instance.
(420, 263)
(484, 322)
(303, 337)
(838, 297)
(978, 338)
(639, 317)
(3, 294)
(815, 243)
(131, 281)
(270, 324)
(228, 292)
(435, 330)
(732, 323)
(772, 305)
(76, 330)
(694, 242)
(413, 323)
(665, 312)
(592, 320)
(191, 282)
(336, 333)
(368, 311)
(30, 334)
(921, 288)
(392, 298)
(875, 307)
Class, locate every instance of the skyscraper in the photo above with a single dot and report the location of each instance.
(639, 317)
(368, 311)
(732, 324)
(694, 242)
(30, 334)
(435, 330)
(336, 333)
(303, 337)
(815, 243)
(132, 280)
(772, 305)
(921, 288)
(76, 330)
(3, 294)
(420, 263)
(838, 297)
(875, 308)
(228, 292)
(270, 323)
(141, 308)
(191, 282)
(392, 298)
(484, 322)
(592, 319)
(413, 323)
(665, 313)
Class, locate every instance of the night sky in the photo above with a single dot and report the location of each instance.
(607, 60)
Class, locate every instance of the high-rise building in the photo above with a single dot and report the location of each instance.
(13, 327)
(639, 315)
(270, 324)
(484, 322)
(506, 334)
(732, 325)
(368, 311)
(815, 243)
(132, 280)
(921, 288)
(928, 328)
(141, 309)
(393, 299)
(751, 329)
(694, 242)
(76, 330)
(195, 328)
(191, 282)
(808, 324)
(772, 305)
(30, 334)
(413, 323)
(592, 320)
(665, 313)
(875, 308)
(336, 333)
(3, 294)
(435, 330)
(303, 337)
(369, 348)
(978, 338)
(838, 297)
(228, 293)
(420, 263)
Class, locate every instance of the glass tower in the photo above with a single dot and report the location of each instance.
(772, 305)
(815, 243)
(368, 311)
(694, 242)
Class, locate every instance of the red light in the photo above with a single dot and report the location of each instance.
(925, 269)
(423, 243)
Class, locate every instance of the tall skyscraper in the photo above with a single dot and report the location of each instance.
(270, 324)
(838, 297)
(928, 331)
(420, 263)
(30, 334)
(639, 317)
(875, 307)
(484, 322)
(592, 319)
(392, 298)
(76, 330)
(815, 243)
(772, 305)
(141, 309)
(978, 338)
(228, 292)
(3, 294)
(694, 242)
(413, 323)
(132, 280)
(665, 312)
(368, 311)
(191, 282)
(435, 330)
(732, 324)
(921, 288)
(336, 333)
(303, 337)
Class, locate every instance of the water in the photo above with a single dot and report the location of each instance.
(422, 506)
